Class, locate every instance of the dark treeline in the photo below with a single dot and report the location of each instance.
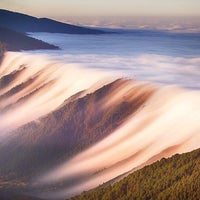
(175, 178)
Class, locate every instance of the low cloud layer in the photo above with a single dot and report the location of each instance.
(161, 69)
(171, 24)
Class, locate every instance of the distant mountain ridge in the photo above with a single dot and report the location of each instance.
(25, 23)
(15, 41)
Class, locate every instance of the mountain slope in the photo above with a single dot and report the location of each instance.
(64, 130)
(14, 41)
(175, 178)
(77, 124)
(25, 23)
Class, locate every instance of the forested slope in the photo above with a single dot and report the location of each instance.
(177, 177)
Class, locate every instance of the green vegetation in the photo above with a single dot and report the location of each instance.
(175, 178)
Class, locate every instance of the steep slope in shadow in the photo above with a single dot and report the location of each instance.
(67, 131)
(6, 80)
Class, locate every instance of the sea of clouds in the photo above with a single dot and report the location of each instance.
(146, 56)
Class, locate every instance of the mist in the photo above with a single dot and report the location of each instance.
(162, 58)
(162, 85)
(166, 124)
(49, 85)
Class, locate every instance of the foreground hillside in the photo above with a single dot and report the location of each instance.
(13, 41)
(175, 178)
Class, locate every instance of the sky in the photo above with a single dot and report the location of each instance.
(110, 13)
(62, 8)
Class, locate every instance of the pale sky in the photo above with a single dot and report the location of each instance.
(64, 8)
(171, 15)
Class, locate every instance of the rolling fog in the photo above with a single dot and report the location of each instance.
(47, 85)
(160, 57)
(167, 122)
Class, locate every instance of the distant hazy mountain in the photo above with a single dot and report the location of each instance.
(15, 41)
(25, 23)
